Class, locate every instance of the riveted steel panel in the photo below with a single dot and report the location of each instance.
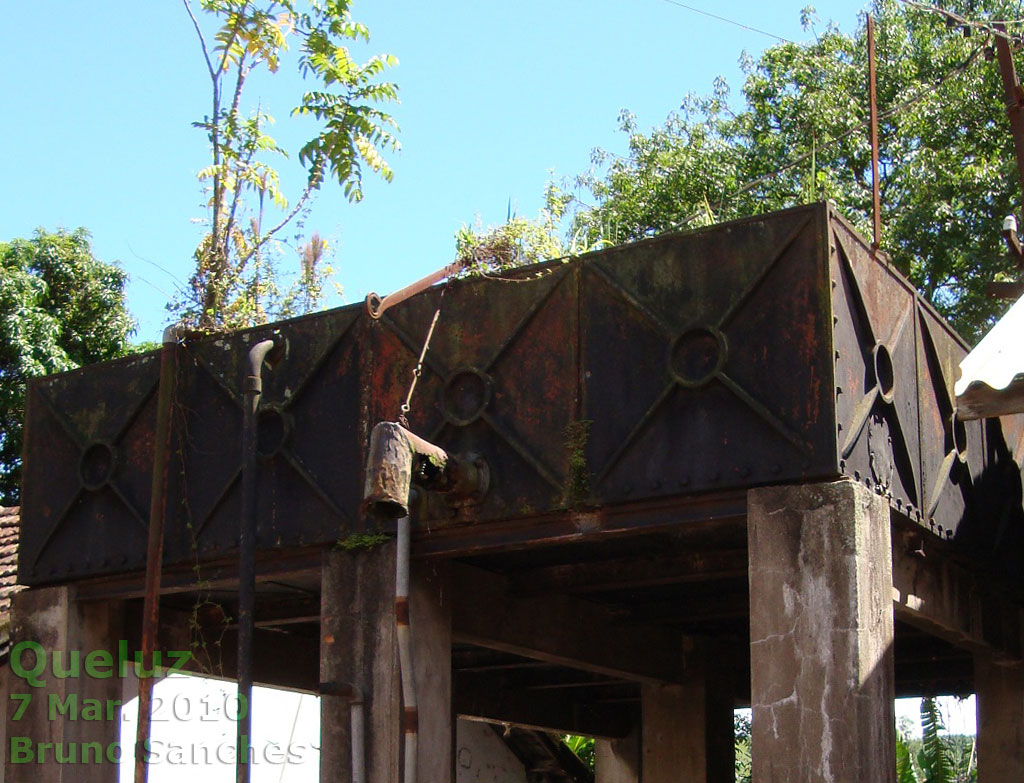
(706, 359)
(85, 500)
(769, 350)
(876, 371)
(499, 382)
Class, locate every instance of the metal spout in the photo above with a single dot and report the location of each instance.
(395, 455)
(399, 458)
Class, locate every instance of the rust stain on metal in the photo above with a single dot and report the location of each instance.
(770, 350)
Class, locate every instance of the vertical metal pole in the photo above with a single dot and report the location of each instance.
(247, 557)
(403, 632)
(876, 198)
(1014, 97)
(155, 546)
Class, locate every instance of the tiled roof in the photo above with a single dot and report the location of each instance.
(9, 528)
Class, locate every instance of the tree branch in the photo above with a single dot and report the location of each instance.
(247, 163)
(287, 219)
(202, 39)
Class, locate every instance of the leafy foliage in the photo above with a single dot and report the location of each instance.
(60, 308)
(235, 282)
(935, 758)
(741, 740)
(518, 242)
(947, 161)
(904, 763)
(583, 747)
(521, 241)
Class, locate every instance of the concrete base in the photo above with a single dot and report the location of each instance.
(821, 635)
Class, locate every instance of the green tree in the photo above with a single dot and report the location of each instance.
(235, 283)
(948, 173)
(60, 308)
(741, 728)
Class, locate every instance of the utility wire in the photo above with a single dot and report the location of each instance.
(728, 21)
(899, 108)
(960, 69)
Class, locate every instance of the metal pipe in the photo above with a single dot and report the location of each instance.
(876, 199)
(357, 722)
(155, 545)
(252, 389)
(376, 306)
(410, 724)
(358, 731)
(1014, 96)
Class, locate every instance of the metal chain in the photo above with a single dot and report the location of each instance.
(418, 369)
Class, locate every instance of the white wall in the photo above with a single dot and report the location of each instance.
(481, 756)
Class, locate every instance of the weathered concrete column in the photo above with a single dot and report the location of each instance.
(687, 729)
(821, 634)
(1000, 693)
(618, 761)
(358, 647)
(64, 696)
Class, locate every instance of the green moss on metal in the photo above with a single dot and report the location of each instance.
(361, 541)
(436, 461)
(577, 484)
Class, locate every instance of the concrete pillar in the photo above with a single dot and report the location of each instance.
(687, 729)
(821, 634)
(431, 621)
(5, 677)
(617, 761)
(1000, 693)
(357, 647)
(64, 689)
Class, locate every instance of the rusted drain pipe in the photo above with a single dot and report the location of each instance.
(262, 352)
(376, 306)
(155, 546)
(397, 459)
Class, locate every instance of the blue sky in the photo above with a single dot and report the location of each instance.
(99, 98)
